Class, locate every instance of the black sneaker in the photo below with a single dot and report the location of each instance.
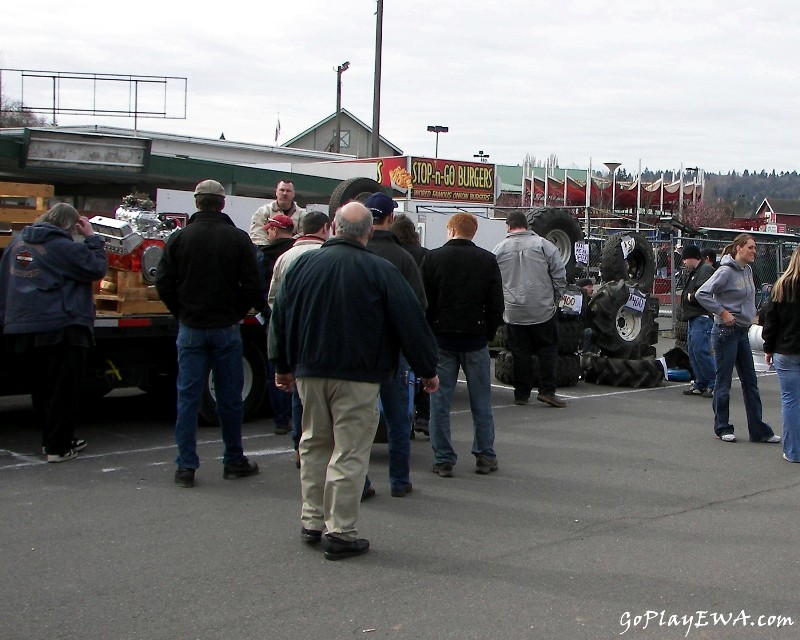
(485, 464)
(521, 400)
(338, 549)
(311, 536)
(240, 469)
(184, 477)
(76, 444)
(443, 469)
(282, 429)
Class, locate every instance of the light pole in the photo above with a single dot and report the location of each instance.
(483, 156)
(337, 144)
(437, 129)
(612, 167)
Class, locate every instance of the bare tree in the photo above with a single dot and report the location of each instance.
(14, 114)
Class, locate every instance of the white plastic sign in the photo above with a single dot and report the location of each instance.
(571, 303)
(628, 244)
(636, 301)
(582, 252)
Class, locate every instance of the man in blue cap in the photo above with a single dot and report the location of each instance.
(394, 392)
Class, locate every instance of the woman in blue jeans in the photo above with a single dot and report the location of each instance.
(782, 349)
(730, 295)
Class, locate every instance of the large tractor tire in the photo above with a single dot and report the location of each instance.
(618, 372)
(569, 369)
(629, 256)
(570, 334)
(254, 390)
(619, 331)
(358, 189)
(561, 228)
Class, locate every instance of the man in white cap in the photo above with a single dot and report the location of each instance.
(208, 279)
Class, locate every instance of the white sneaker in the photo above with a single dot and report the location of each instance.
(773, 439)
(79, 444)
(727, 437)
(785, 457)
(69, 455)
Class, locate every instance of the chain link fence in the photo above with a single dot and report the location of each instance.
(772, 257)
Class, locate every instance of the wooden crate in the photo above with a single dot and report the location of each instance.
(12, 218)
(126, 293)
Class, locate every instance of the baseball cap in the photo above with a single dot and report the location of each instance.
(280, 221)
(691, 251)
(380, 205)
(209, 187)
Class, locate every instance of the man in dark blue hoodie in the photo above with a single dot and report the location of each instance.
(47, 312)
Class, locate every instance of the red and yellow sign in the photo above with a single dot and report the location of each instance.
(434, 179)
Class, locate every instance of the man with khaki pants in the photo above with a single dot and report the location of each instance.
(338, 361)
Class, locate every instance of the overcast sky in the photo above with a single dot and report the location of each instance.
(709, 83)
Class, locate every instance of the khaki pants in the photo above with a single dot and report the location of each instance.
(340, 418)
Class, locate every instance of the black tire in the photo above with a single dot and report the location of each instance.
(569, 369)
(618, 331)
(501, 337)
(638, 268)
(561, 228)
(617, 372)
(352, 189)
(681, 331)
(570, 334)
(254, 389)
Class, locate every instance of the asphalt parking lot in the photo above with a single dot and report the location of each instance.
(619, 516)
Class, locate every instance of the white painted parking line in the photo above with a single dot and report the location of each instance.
(23, 460)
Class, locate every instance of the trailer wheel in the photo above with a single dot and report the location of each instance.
(561, 228)
(254, 388)
(352, 189)
(638, 267)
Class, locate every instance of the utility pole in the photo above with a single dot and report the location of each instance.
(376, 100)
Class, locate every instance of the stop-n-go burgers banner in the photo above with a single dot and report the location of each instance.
(437, 179)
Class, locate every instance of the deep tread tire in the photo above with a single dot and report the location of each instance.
(638, 268)
(253, 392)
(618, 331)
(569, 369)
(561, 228)
(617, 372)
(352, 189)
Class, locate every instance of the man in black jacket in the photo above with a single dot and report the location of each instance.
(208, 278)
(338, 324)
(395, 392)
(700, 324)
(465, 307)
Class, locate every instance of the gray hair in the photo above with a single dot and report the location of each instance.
(62, 215)
(353, 221)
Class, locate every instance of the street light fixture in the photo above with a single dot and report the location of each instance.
(483, 156)
(437, 129)
(337, 144)
(612, 167)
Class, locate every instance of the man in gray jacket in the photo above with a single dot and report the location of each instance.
(534, 277)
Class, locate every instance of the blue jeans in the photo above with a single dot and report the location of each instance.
(700, 356)
(476, 366)
(199, 350)
(788, 368)
(394, 400)
(280, 400)
(732, 348)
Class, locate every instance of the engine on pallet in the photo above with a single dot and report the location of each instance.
(135, 240)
